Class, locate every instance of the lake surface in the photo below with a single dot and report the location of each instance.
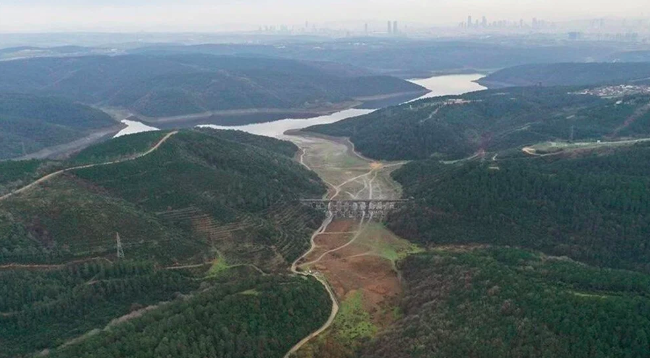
(133, 127)
(450, 85)
(439, 86)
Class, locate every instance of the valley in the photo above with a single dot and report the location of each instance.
(520, 217)
(355, 258)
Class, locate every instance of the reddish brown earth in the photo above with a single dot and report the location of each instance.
(355, 268)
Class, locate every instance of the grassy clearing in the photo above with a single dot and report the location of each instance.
(382, 242)
(219, 266)
(251, 292)
(588, 295)
(353, 322)
(557, 147)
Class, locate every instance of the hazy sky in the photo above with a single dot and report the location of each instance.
(194, 15)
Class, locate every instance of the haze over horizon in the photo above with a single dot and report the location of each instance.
(203, 15)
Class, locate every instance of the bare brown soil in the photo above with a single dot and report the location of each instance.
(342, 226)
(357, 268)
(355, 258)
(373, 276)
(325, 243)
(460, 248)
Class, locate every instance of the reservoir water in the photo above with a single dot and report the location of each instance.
(439, 86)
(133, 127)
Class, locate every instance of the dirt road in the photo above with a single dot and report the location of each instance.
(57, 173)
(62, 151)
(350, 176)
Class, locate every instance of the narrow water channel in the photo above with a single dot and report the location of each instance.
(439, 86)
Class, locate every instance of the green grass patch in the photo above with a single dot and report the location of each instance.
(382, 242)
(353, 322)
(251, 292)
(219, 266)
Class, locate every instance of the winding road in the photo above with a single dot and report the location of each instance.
(57, 173)
(368, 185)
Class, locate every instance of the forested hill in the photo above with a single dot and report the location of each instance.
(567, 74)
(202, 194)
(505, 302)
(29, 123)
(209, 224)
(160, 86)
(594, 208)
(456, 127)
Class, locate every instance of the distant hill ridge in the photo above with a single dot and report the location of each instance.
(567, 74)
(29, 123)
(159, 86)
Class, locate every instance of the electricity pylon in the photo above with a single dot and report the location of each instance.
(120, 250)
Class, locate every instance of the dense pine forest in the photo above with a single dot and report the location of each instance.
(502, 302)
(242, 316)
(457, 127)
(135, 309)
(202, 194)
(594, 208)
(208, 222)
(44, 309)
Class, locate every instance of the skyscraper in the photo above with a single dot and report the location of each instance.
(470, 24)
(484, 23)
(366, 29)
(390, 28)
(395, 30)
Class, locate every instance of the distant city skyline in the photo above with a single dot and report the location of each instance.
(203, 15)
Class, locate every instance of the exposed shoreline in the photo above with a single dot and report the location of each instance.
(64, 150)
(281, 113)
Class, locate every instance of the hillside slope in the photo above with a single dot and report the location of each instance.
(209, 223)
(456, 127)
(504, 303)
(591, 207)
(567, 74)
(162, 86)
(31, 123)
(201, 195)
